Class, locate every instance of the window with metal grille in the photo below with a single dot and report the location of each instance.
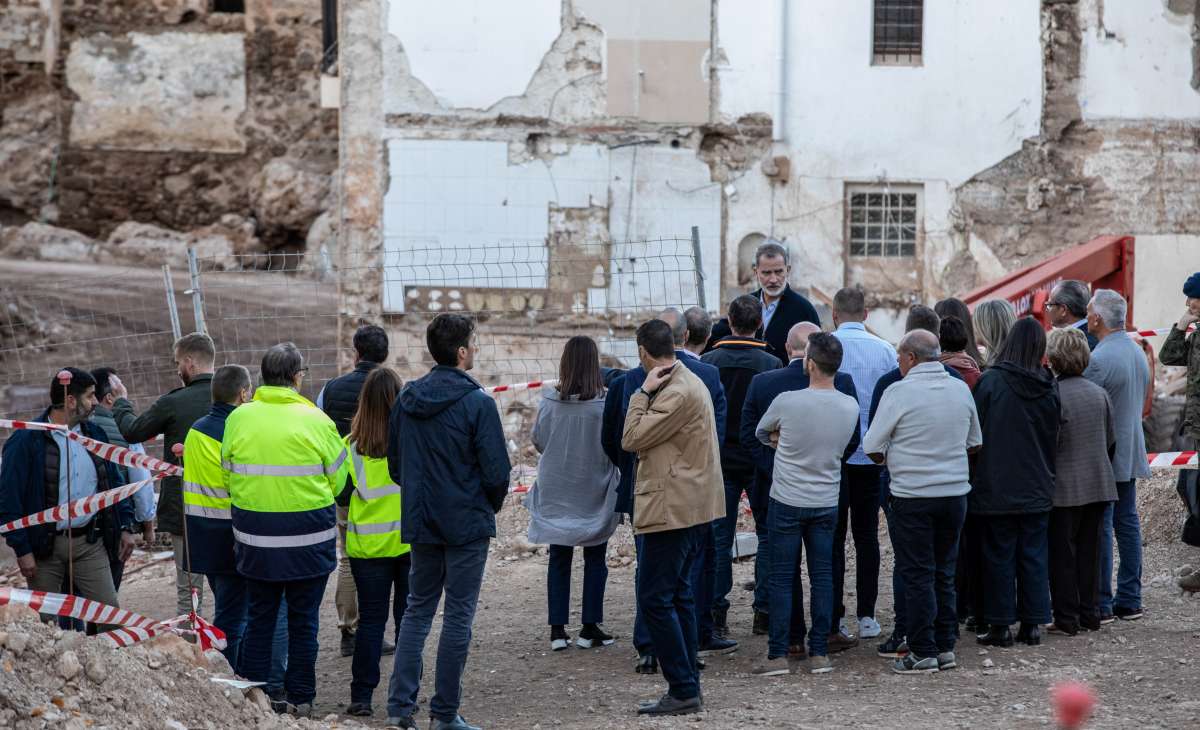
(897, 32)
(883, 221)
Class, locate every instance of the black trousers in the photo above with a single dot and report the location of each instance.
(858, 501)
(1016, 558)
(1075, 565)
(970, 579)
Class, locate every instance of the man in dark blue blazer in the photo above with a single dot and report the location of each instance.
(782, 307)
(1067, 307)
(764, 388)
(616, 405)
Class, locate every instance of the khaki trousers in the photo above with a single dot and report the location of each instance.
(93, 577)
(183, 596)
(346, 596)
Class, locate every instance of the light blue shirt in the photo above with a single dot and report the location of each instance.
(1119, 366)
(320, 403)
(768, 311)
(144, 505)
(865, 358)
(82, 472)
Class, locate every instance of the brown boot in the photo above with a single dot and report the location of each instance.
(1190, 583)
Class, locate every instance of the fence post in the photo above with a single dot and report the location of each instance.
(196, 292)
(699, 268)
(169, 285)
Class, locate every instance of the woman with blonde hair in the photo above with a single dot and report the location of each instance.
(379, 559)
(572, 502)
(993, 320)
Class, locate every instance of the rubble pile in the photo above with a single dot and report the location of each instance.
(50, 678)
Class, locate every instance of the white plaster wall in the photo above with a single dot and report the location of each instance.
(1161, 265)
(473, 53)
(1137, 61)
(749, 71)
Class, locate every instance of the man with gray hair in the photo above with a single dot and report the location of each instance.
(1120, 367)
(1067, 307)
(925, 427)
(781, 307)
(699, 328)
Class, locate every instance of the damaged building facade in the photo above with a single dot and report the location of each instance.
(130, 129)
(916, 148)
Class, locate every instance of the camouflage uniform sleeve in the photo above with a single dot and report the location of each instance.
(1175, 349)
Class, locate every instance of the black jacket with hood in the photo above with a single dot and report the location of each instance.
(1019, 412)
(446, 450)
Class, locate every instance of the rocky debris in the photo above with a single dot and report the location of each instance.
(144, 243)
(320, 246)
(30, 134)
(290, 194)
(46, 243)
(55, 678)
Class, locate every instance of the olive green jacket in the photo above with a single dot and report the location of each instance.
(1184, 350)
(171, 415)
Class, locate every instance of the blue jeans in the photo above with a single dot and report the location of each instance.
(664, 589)
(794, 529)
(726, 533)
(703, 580)
(456, 570)
(259, 660)
(926, 544)
(379, 583)
(1123, 519)
(762, 559)
(558, 583)
(1016, 549)
(279, 655)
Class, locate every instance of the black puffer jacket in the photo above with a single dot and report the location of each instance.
(1019, 412)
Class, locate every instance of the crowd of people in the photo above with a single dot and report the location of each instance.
(1003, 459)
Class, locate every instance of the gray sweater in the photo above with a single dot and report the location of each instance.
(1119, 366)
(1083, 466)
(573, 500)
(815, 426)
(924, 426)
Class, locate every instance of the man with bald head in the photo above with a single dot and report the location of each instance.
(764, 389)
(925, 427)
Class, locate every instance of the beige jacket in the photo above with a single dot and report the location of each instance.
(679, 463)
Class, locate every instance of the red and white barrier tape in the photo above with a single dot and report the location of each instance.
(1173, 458)
(207, 635)
(533, 384)
(1158, 332)
(77, 508)
(106, 451)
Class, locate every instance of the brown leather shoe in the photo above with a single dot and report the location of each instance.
(797, 653)
(840, 642)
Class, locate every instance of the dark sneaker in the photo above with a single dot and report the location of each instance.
(558, 638)
(771, 667)
(593, 635)
(347, 643)
(1190, 582)
(840, 642)
(668, 705)
(303, 710)
(996, 636)
(721, 622)
(1107, 618)
(762, 624)
(1059, 630)
(1029, 634)
(402, 722)
(819, 665)
(894, 647)
(946, 660)
(359, 709)
(389, 648)
(717, 645)
(971, 625)
(910, 664)
(1127, 614)
(646, 664)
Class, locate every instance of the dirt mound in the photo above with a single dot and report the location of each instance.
(55, 678)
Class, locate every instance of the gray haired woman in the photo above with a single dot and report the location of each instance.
(572, 502)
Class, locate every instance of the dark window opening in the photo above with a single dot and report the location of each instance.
(329, 9)
(898, 32)
(229, 6)
(883, 223)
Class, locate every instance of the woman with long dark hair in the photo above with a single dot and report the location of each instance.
(1013, 488)
(572, 502)
(379, 559)
(954, 307)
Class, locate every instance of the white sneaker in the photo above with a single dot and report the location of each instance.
(868, 628)
(844, 627)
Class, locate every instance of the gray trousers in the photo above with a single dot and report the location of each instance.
(183, 596)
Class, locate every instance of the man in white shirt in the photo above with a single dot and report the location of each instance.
(867, 358)
(925, 427)
(814, 430)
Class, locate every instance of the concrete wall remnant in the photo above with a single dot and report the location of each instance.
(134, 94)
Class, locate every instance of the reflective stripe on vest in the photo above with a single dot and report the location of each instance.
(284, 541)
(212, 513)
(205, 491)
(373, 524)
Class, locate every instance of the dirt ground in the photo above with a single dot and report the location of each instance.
(1145, 673)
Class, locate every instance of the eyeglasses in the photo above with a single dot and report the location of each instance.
(1053, 304)
(304, 371)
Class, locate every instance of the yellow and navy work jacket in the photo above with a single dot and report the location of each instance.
(205, 498)
(283, 462)
(373, 527)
